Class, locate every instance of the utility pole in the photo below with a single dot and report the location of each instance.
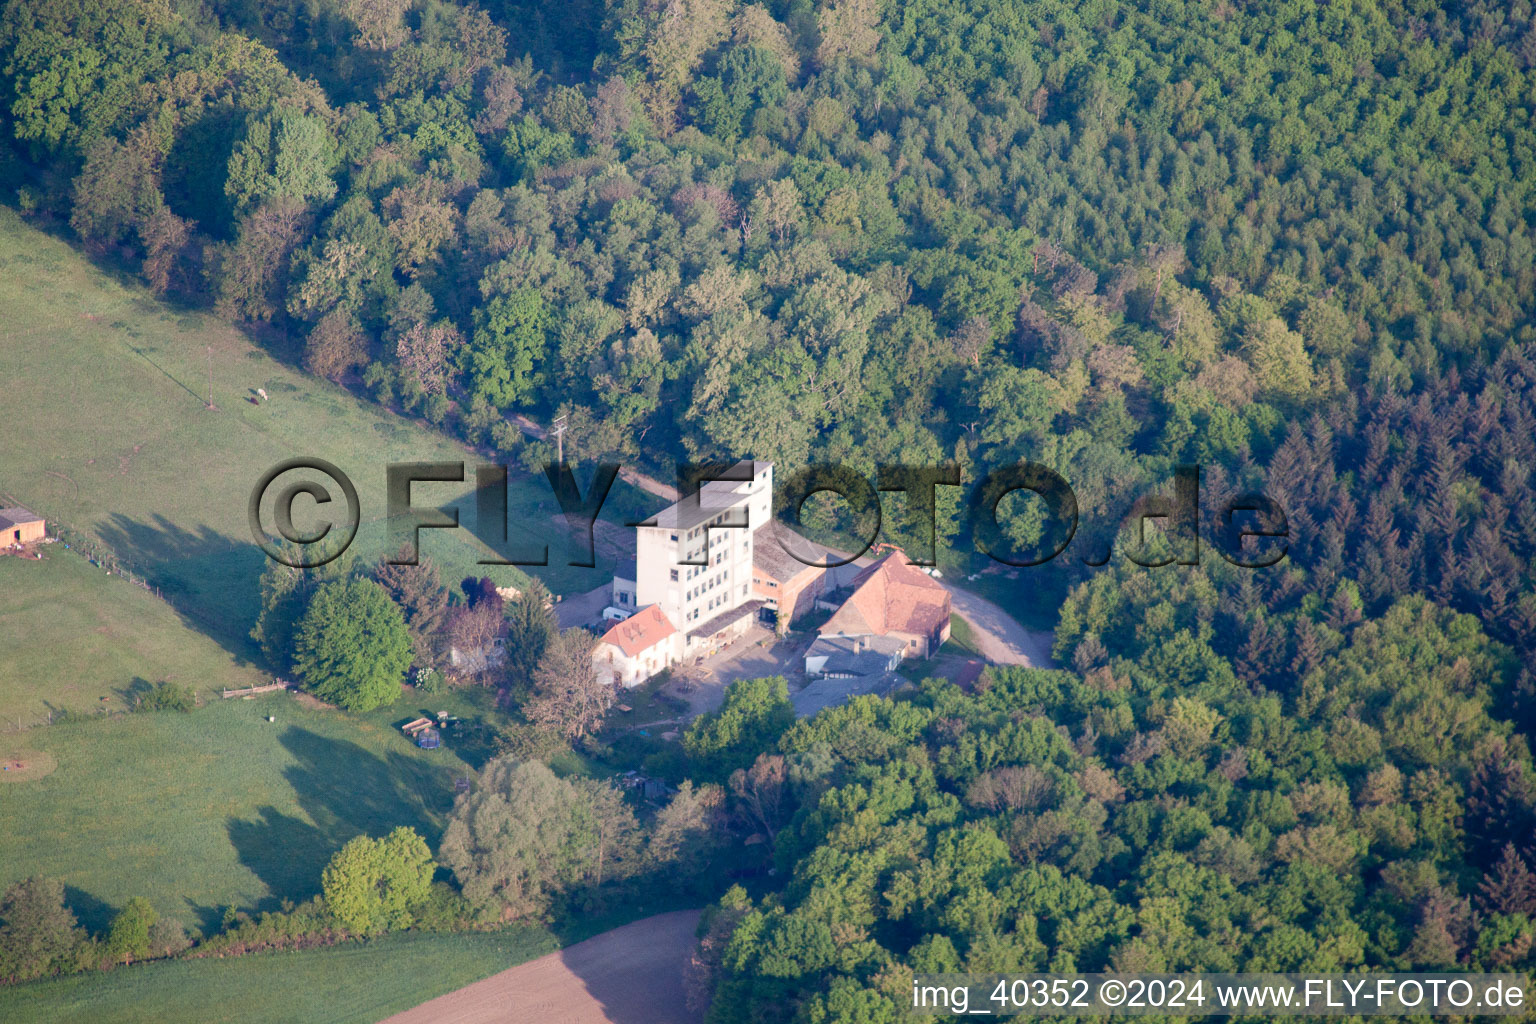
(210, 376)
(559, 428)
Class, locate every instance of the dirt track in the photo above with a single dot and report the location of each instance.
(1001, 639)
(631, 975)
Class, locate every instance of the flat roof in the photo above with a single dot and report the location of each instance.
(689, 511)
(855, 655)
(687, 514)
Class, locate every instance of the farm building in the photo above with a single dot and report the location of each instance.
(893, 599)
(18, 526)
(849, 657)
(787, 586)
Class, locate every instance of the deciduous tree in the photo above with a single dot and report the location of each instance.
(38, 933)
(568, 694)
(373, 885)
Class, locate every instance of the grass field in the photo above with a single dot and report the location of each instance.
(108, 436)
(117, 634)
(349, 984)
(962, 638)
(219, 807)
(107, 433)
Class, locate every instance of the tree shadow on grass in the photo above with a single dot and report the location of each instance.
(206, 919)
(284, 851)
(93, 914)
(138, 687)
(192, 570)
(345, 791)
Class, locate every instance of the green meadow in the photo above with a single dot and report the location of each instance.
(355, 983)
(219, 807)
(109, 437)
(107, 434)
(73, 638)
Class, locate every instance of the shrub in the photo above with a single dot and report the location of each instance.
(128, 936)
(444, 910)
(38, 934)
(168, 937)
(165, 696)
(428, 681)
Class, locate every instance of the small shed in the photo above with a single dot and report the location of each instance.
(428, 739)
(19, 526)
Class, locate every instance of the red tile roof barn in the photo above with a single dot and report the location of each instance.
(640, 632)
(891, 596)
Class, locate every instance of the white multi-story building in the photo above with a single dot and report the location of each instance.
(693, 560)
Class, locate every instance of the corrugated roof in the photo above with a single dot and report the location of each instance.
(771, 560)
(640, 632)
(16, 516)
(712, 626)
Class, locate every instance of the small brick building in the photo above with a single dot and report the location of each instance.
(786, 586)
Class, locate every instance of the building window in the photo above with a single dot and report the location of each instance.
(674, 575)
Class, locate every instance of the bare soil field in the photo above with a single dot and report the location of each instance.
(631, 975)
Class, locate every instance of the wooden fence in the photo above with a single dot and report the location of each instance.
(251, 691)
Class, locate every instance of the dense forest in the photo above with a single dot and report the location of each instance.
(1294, 243)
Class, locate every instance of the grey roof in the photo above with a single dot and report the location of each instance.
(770, 559)
(689, 511)
(712, 626)
(855, 655)
(16, 516)
(825, 692)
